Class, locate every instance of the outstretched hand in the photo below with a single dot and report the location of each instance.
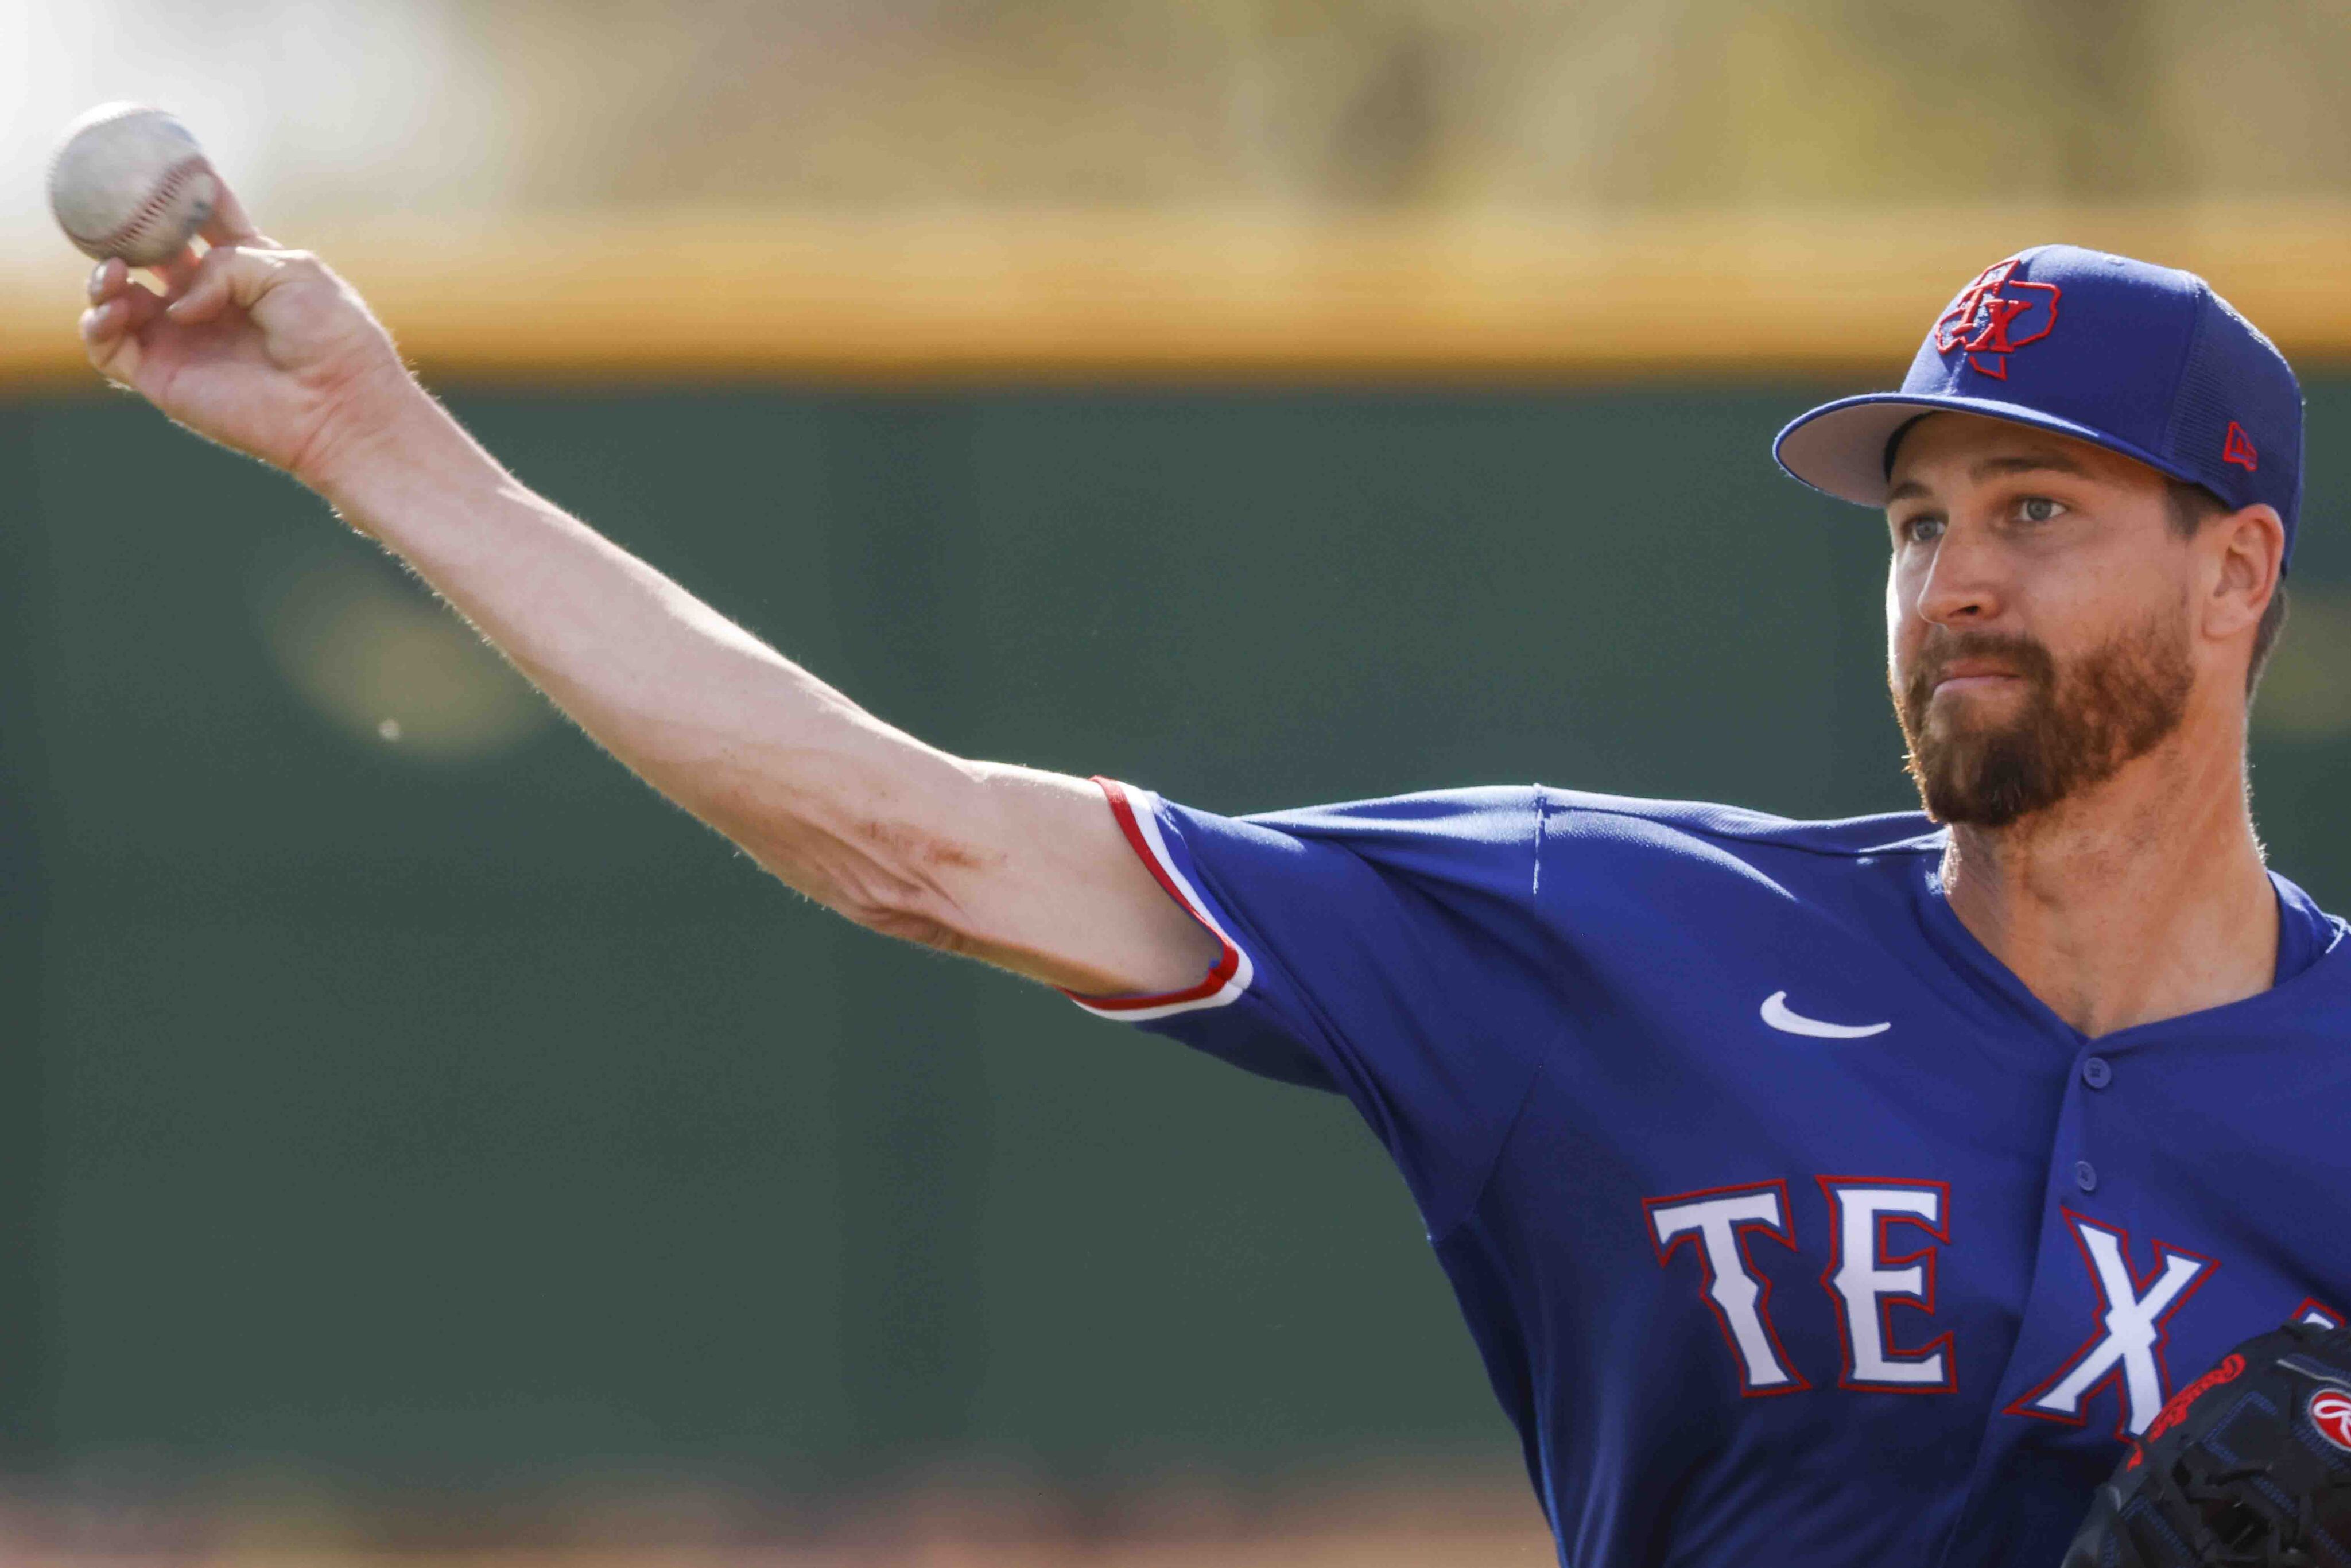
(259, 348)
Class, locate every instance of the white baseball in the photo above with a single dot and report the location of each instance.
(129, 181)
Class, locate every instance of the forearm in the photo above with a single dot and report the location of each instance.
(702, 710)
(999, 863)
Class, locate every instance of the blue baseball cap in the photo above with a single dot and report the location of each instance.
(2141, 360)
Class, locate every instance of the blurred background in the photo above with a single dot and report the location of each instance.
(419, 1143)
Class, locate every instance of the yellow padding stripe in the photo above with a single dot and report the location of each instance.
(1201, 298)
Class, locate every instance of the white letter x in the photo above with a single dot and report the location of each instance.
(2134, 1327)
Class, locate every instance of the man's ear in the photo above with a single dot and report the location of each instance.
(2251, 561)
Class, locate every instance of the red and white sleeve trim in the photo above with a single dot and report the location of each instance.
(1137, 811)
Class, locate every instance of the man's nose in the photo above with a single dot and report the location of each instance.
(1962, 585)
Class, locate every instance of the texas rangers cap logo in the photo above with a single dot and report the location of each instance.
(1996, 314)
(2330, 1412)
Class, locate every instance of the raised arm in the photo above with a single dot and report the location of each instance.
(266, 351)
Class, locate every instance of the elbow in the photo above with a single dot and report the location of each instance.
(872, 866)
(910, 914)
(918, 926)
(873, 893)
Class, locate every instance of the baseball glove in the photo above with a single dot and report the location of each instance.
(2249, 1465)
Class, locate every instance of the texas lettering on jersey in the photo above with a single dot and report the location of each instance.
(1887, 1240)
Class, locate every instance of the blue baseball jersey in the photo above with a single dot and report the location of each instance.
(1791, 1226)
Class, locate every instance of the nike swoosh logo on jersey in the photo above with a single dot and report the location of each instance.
(1787, 1021)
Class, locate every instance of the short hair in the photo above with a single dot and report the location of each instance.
(2193, 505)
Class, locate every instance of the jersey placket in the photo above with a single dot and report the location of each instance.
(2069, 1175)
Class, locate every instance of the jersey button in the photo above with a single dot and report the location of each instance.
(2097, 1073)
(2086, 1175)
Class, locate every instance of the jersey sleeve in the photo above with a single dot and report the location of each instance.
(1384, 950)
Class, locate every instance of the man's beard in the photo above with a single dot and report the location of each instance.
(2078, 726)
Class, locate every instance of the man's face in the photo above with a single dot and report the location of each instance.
(2037, 612)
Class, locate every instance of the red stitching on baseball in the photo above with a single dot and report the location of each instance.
(169, 186)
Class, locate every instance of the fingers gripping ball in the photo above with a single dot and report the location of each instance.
(131, 182)
(2250, 1464)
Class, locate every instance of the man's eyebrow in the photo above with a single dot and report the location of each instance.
(2000, 467)
(2038, 463)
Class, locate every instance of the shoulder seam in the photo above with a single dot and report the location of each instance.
(1706, 832)
(1542, 824)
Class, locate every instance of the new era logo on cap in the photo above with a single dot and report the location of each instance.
(2141, 360)
(2237, 448)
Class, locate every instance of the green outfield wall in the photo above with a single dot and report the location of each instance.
(394, 1085)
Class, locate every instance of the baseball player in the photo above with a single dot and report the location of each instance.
(1816, 1193)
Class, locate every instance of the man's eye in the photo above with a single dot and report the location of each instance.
(1923, 530)
(2039, 510)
